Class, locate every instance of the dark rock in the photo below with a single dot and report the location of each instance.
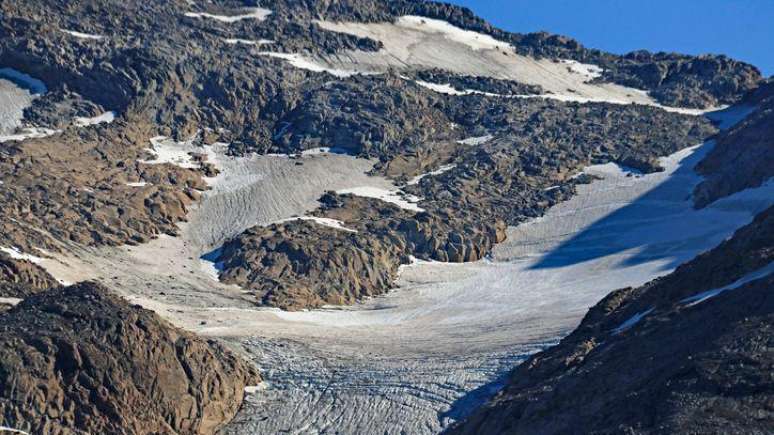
(78, 359)
(680, 369)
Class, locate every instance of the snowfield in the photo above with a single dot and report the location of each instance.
(426, 353)
(413, 42)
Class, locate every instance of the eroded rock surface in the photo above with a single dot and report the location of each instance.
(744, 155)
(689, 352)
(79, 359)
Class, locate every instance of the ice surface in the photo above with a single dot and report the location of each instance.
(106, 117)
(752, 276)
(80, 35)
(252, 13)
(423, 355)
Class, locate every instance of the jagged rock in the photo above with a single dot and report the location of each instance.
(21, 278)
(81, 360)
(679, 369)
(743, 156)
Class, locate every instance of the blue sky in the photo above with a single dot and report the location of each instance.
(742, 29)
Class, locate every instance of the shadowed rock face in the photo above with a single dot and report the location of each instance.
(646, 360)
(743, 156)
(20, 278)
(79, 359)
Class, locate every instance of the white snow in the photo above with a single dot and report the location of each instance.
(328, 222)
(16, 254)
(402, 200)
(301, 62)
(29, 133)
(438, 171)
(10, 301)
(409, 44)
(234, 41)
(478, 140)
(251, 389)
(167, 150)
(106, 117)
(584, 69)
(476, 41)
(35, 85)
(752, 276)
(251, 13)
(137, 184)
(448, 332)
(12, 430)
(441, 88)
(631, 321)
(80, 35)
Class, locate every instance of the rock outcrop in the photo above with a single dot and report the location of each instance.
(81, 360)
(743, 156)
(530, 165)
(21, 278)
(691, 352)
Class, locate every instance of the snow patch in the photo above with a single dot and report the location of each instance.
(29, 82)
(12, 430)
(234, 41)
(29, 133)
(301, 62)
(328, 222)
(441, 88)
(10, 301)
(16, 254)
(587, 70)
(631, 321)
(397, 197)
(80, 35)
(106, 117)
(251, 389)
(167, 150)
(438, 171)
(709, 294)
(259, 14)
(478, 140)
(476, 41)
(137, 184)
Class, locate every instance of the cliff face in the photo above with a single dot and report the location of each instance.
(743, 156)
(691, 352)
(78, 359)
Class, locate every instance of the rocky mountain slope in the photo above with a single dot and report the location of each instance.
(690, 352)
(209, 159)
(744, 155)
(81, 360)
